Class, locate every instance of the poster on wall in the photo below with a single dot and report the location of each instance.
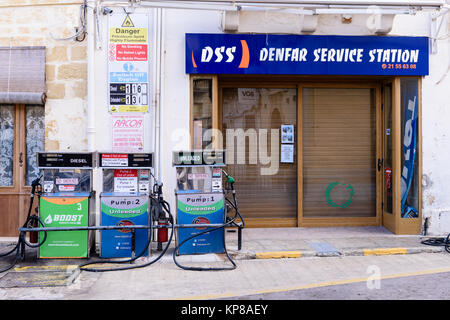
(287, 153)
(128, 56)
(128, 133)
(287, 133)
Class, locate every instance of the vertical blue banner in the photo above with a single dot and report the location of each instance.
(409, 91)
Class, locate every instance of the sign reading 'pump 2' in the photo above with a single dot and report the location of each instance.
(306, 54)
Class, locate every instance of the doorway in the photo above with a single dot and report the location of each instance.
(339, 176)
(347, 152)
(21, 136)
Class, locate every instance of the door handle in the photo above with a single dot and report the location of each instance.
(21, 159)
(380, 164)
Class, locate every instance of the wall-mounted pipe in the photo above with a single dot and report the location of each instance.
(90, 108)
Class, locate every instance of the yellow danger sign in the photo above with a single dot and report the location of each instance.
(127, 22)
(128, 35)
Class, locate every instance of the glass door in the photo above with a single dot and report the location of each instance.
(401, 157)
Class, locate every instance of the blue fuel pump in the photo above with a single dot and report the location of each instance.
(200, 200)
(125, 202)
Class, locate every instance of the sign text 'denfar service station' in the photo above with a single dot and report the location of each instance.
(128, 57)
(306, 54)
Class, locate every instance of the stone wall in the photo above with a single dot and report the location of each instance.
(40, 23)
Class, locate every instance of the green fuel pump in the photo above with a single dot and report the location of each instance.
(66, 201)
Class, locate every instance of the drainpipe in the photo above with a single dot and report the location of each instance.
(158, 84)
(90, 111)
(155, 93)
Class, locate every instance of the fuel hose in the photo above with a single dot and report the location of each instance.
(439, 241)
(19, 248)
(166, 207)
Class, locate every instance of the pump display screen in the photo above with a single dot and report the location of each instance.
(135, 160)
(194, 178)
(65, 160)
(126, 180)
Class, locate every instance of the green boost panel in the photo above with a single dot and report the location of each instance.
(64, 212)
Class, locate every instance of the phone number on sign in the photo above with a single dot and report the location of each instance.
(398, 66)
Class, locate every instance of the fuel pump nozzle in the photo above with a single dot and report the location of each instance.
(36, 188)
(230, 179)
(159, 209)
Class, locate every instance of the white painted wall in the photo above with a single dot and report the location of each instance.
(176, 96)
(435, 128)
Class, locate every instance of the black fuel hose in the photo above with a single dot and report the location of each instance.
(440, 241)
(19, 248)
(165, 205)
(201, 268)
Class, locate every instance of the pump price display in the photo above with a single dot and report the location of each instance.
(128, 88)
(128, 94)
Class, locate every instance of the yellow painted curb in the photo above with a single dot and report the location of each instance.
(384, 251)
(45, 268)
(278, 254)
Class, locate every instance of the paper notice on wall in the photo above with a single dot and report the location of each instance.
(287, 153)
(127, 133)
(248, 95)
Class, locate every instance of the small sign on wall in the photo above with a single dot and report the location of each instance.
(287, 133)
(125, 180)
(128, 133)
(287, 153)
(128, 62)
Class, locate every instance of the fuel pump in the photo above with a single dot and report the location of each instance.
(66, 201)
(200, 200)
(126, 180)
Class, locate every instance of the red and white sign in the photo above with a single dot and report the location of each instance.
(115, 160)
(197, 176)
(66, 181)
(125, 180)
(66, 188)
(125, 173)
(131, 52)
(128, 133)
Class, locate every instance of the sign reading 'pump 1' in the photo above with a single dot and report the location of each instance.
(306, 54)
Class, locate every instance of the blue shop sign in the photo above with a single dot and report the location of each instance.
(306, 54)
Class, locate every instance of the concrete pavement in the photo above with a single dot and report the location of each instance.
(325, 242)
(273, 243)
(270, 259)
(252, 277)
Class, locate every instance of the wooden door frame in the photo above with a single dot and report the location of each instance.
(388, 219)
(338, 221)
(19, 188)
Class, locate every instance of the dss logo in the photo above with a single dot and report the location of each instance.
(208, 52)
(233, 55)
